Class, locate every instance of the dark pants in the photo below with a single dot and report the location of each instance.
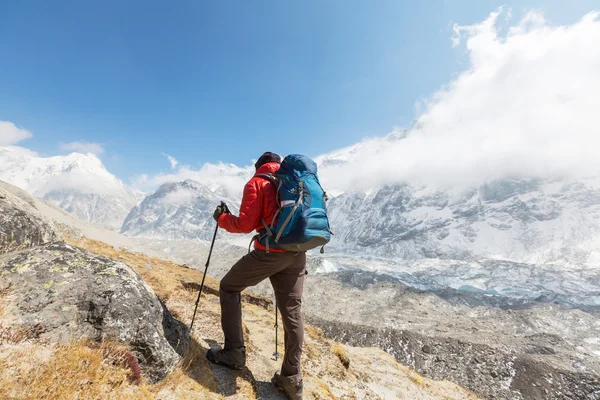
(286, 272)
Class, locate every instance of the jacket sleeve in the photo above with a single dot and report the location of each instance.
(250, 212)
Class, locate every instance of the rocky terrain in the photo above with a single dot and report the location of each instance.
(74, 294)
(498, 347)
(64, 293)
(472, 338)
(87, 320)
(21, 224)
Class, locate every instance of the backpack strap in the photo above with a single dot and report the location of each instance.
(255, 237)
(271, 178)
(269, 229)
(268, 233)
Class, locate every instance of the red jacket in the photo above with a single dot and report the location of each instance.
(258, 202)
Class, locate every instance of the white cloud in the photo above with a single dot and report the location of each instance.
(527, 106)
(172, 160)
(16, 151)
(83, 147)
(179, 197)
(228, 177)
(82, 182)
(11, 134)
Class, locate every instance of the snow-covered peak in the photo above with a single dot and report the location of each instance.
(41, 175)
(78, 183)
(176, 210)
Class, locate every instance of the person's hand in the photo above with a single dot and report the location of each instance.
(218, 211)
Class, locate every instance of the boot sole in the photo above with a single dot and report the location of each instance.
(230, 366)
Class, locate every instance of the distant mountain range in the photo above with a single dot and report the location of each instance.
(536, 221)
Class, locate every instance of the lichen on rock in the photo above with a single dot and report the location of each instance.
(76, 294)
(21, 225)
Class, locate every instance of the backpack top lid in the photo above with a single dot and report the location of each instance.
(298, 166)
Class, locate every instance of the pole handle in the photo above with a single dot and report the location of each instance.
(225, 208)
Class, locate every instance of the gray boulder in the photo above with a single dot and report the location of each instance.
(75, 294)
(21, 224)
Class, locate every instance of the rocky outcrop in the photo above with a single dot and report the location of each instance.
(74, 294)
(21, 225)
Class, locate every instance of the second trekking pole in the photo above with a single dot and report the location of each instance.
(225, 210)
(276, 354)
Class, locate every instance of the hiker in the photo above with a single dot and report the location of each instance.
(285, 269)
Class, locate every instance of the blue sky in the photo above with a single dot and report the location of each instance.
(224, 81)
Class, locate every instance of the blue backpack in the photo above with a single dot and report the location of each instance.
(302, 222)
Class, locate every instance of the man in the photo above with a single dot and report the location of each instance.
(286, 271)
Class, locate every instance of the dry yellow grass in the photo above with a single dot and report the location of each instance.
(416, 378)
(3, 293)
(322, 391)
(36, 371)
(341, 354)
(31, 371)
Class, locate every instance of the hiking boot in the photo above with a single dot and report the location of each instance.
(291, 387)
(233, 358)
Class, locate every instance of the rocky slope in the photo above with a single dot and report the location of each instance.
(472, 337)
(498, 347)
(473, 326)
(21, 223)
(331, 370)
(66, 294)
(77, 183)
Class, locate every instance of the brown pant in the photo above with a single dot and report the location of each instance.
(286, 272)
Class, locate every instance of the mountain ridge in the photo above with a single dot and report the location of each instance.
(77, 183)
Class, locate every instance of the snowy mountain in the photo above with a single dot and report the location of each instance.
(531, 221)
(78, 183)
(382, 211)
(520, 220)
(181, 210)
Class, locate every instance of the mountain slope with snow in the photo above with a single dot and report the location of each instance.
(182, 210)
(532, 221)
(78, 183)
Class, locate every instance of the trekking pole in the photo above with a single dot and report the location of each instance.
(276, 354)
(225, 210)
